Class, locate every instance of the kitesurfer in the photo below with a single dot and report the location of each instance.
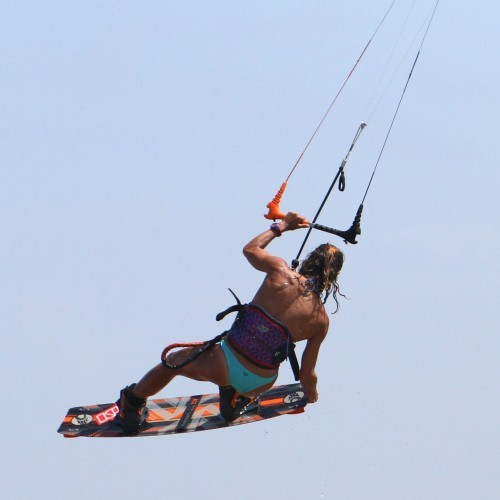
(287, 308)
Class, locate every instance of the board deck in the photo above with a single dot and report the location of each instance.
(181, 414)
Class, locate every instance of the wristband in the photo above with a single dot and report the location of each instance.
(275, 229)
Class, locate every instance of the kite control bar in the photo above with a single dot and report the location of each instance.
(348, 236)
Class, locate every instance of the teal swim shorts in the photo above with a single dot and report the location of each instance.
(242, 379)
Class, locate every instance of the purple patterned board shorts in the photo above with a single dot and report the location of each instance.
(257, 336)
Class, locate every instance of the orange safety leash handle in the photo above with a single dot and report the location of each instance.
(274, 205)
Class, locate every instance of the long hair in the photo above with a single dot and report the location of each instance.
(323, 266)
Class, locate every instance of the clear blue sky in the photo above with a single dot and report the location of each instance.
(140, 144)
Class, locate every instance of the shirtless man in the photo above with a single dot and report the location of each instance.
(288, 307)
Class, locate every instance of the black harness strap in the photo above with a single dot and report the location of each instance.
(235, 308)
(294, 362)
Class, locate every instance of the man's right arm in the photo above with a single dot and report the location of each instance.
(255, 250)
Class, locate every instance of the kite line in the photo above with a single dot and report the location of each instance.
(274, 205)
(350, 234)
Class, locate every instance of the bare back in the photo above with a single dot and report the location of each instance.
(284, 295)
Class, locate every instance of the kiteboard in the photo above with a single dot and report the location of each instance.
(181, 414)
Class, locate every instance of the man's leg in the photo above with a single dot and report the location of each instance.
(210, 366)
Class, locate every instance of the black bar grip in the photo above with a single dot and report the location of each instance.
(326, 229)
(348, 236)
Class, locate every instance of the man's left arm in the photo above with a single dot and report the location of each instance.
(308, 377)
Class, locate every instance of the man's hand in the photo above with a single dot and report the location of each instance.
(293, 221)
(309, 384)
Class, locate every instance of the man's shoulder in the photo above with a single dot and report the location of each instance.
(321, 324)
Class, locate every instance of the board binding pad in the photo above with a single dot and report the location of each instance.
(181, 414)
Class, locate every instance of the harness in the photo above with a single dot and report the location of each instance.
(260, 338)
(278, 348)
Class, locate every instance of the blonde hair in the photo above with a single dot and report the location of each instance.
(323, 266)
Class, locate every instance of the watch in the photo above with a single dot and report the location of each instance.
(275, 229)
